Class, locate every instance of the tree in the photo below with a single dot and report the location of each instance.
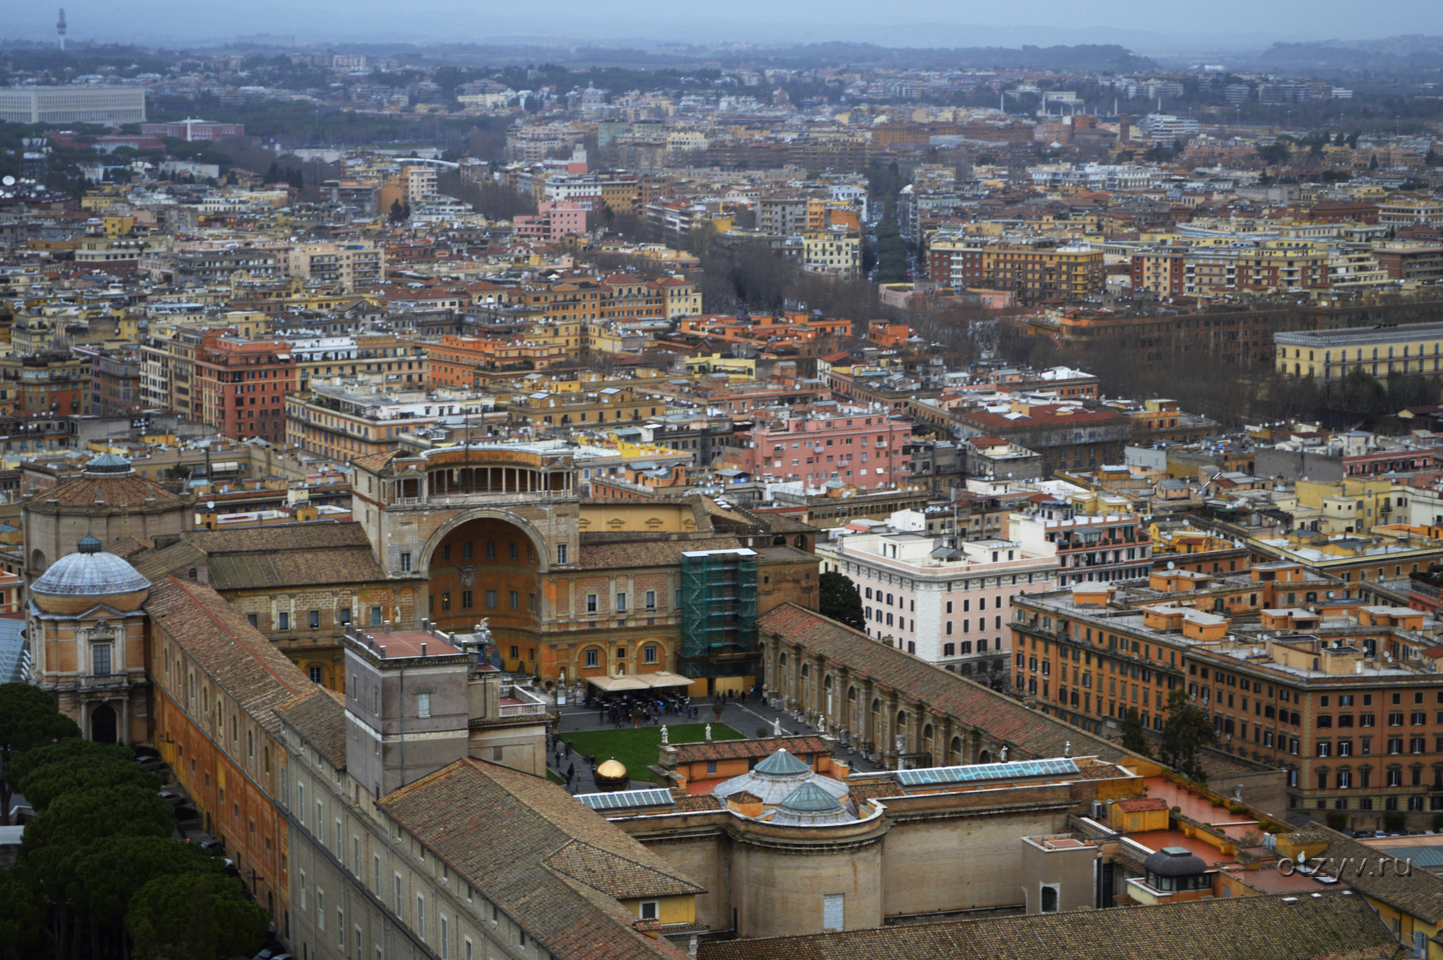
(1134, 735)
(1276, 153)
(22, 918)
(106, 875)
(1186, 731)
(28, 719)
(195, 917)
(80, 817)
(837, 598)
(398, 212)
(48, 772)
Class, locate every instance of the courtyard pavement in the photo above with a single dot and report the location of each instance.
(744, 718)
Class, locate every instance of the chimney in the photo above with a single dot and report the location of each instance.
(423, 649)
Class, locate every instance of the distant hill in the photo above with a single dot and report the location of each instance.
(1088, 57)
(1404, 54)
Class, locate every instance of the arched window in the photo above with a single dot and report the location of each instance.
(806, 670)
(954, 752)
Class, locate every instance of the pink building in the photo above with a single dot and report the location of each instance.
(857, 446)
(555, 221)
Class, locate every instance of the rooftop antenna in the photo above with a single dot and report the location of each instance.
(60, 28)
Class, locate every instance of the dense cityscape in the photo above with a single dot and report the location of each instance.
(427, 528)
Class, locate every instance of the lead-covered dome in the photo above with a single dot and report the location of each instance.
(75, 581)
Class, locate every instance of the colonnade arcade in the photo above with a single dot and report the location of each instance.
(880, 722)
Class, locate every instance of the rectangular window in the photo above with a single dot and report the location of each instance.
(346, 616)
(252, 619)
(100, 659)
(650, 908)
(375, 616)
(468, 599)
(315, 619)
(561, 553)
(621, 603)
(591, 603)
(515, 599)
(283, 620)
(423, 705)
(406, 563)
(649, 655)
(420, 916)
(833, 911)
(651, 599)
(591, 658)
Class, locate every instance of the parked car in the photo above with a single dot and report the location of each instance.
(173, 797)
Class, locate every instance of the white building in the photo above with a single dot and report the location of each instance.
(948, 605)
(72, 104)
(1087, 548)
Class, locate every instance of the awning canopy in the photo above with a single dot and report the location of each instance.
(625, 683)
(617, 683)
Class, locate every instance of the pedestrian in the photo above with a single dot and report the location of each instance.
(570, 772)
(568, 748)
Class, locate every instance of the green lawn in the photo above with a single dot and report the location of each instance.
(553, 777)
(639, 749)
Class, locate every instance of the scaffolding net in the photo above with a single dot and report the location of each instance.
(718, 614)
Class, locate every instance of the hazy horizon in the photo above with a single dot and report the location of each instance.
(1144, 27)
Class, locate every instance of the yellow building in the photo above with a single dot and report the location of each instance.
(1347, 506)
(1330, 355)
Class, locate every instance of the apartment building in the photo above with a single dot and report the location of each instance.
(1170, 271)
(343, 419)
(946, 602)
(1088, 548)
(1033, 271)
(1343, 696)
(347, 266)
(49, 383)
(832, 253)
(822, 442)
(241, 385)
(464, 362)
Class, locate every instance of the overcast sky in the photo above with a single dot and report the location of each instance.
(1138, 23)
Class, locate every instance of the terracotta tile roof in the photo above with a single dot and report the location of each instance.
(875, 789)
(647, 553)
(288, 555)
(737, 749)
(505, 831)
(623, 879)
(154, 564)
(375, 462)
(249, 668)
(1329, 926)
(698, 803)
(125, 488)
(1029, 733)
(1419, 894)
(320, 717)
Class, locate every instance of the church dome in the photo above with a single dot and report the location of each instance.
(76, 580)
